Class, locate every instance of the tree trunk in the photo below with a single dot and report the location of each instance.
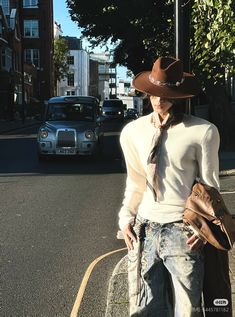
(222, 114)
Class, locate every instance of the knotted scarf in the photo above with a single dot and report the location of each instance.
(154, 156)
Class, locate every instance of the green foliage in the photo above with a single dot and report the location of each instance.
(61, 52)
(213, 41)
(142, 30)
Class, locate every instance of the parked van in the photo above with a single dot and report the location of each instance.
(113, 109)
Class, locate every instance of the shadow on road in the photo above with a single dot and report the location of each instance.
(19, 156)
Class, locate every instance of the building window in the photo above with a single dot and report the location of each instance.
(70, 79)
(5, 6)
(70, 60)
(70, 92)
(31, 28)
(32, 56)
(30, 3)
(0, 28)
(6, 59)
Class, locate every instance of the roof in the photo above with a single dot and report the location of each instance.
(66, 99)
(73, 43)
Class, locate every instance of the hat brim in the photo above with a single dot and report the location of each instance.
(189, 88)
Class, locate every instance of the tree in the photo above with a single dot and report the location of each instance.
(143, 30)
(213, 56)
(61, 67)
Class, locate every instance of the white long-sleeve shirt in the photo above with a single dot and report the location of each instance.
(189, 150)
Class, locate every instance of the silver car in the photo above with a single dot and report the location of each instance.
(72, 127)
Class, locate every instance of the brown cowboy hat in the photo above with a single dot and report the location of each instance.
(167, 80)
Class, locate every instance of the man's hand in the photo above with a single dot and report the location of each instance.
(195, 242)
(129, 236)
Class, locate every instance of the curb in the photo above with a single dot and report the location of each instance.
(117, 304)
(230, 172)
(117, 300)
(22, 126)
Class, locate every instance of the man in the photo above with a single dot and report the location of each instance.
(165, 152)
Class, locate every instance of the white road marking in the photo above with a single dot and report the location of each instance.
(18, 136)
(112, 133)
(227, 192)
(85, 279)
(9, 174)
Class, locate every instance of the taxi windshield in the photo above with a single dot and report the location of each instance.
(70, 112)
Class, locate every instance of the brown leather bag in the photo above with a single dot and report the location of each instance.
(206, 212)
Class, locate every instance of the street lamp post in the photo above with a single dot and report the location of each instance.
(182, 32)
(22, 50)
(178, 29)
(182, 36)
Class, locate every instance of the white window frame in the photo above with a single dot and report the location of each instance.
(68, 79)
(5, 6)
(30, 3)
(31, 28)
(6, 58)
(30, 56)
(70, 60)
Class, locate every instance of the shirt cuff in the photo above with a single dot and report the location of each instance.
(125, 220)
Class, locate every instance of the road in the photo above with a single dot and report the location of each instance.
(56, 218)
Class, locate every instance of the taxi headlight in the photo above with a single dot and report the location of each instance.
(89, 134)
(43, 134)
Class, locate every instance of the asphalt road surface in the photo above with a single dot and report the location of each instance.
(56, 217)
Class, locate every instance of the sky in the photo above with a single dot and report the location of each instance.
(69, 28)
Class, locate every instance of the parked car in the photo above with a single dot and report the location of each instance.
(113, 109)
(131, 114)
(72, 126)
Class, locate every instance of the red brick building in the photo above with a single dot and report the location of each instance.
(36, 20)
(10, 66)
(26, 38)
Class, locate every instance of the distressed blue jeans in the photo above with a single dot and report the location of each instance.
(165, 276)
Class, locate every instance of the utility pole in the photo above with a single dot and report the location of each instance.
(182, 32)
(182, 36)
(22, 50)
(178, 29)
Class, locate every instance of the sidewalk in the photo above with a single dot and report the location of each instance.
(8, 126)
(227, 163)
(117, 301)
